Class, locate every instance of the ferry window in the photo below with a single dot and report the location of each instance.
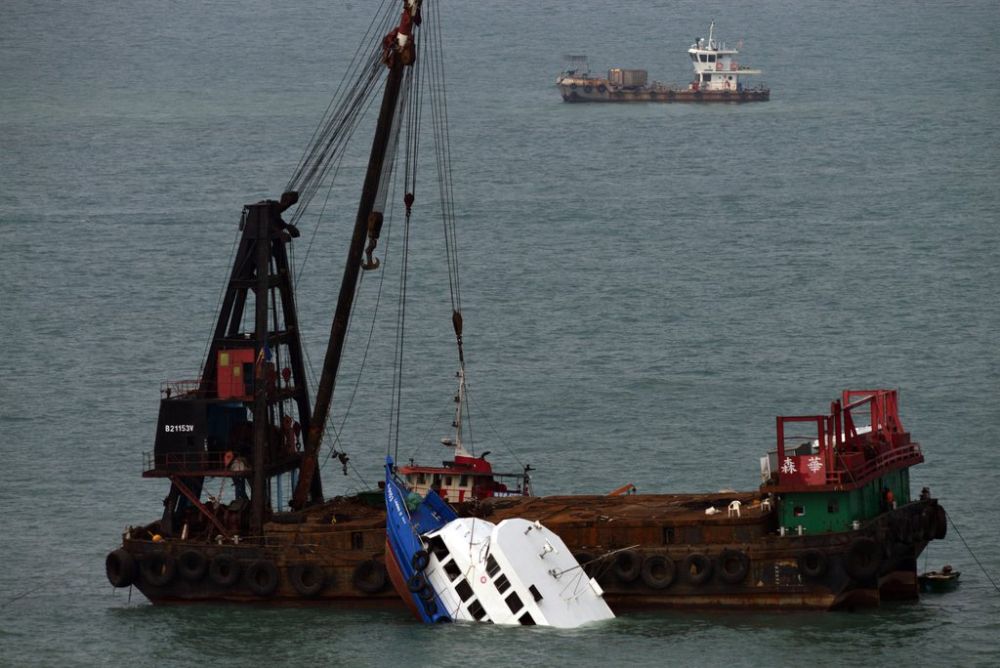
(708, 77)
(526, 620)
(514, 603)
(535, 593)
(492, 567)
(711, 57)
(476, 610)
(437, 480)
(798, 511)
(438, 548)
(694, 57)
(463, 481)
(447, 481)
(421, 479)
(703, 57)
(668, 535)
(832, 506)
(463, 590)
(502, 584)
(452, 569)
(357, 540)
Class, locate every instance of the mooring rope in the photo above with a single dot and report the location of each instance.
(971, 553)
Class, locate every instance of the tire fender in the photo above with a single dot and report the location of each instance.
(658, 571)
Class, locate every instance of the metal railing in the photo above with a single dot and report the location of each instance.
(849, 450)
(184, 462)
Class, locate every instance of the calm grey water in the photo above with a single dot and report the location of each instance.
(645, 287)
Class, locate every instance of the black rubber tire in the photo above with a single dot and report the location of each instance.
(430, 607)
(863, 559)
(940, 523)
(915, 528)
(120, 568)
(192, 565)
(734, 566)
(416, 582)
(910, 527)
(627, 565)
(158, 568)
(813, 563)
(697, 568)
(224, 570)
(658, 571)
(602, 89)
(420, 560)
(899, 527)
(307, 579)
(426, 594)
(262, 577)
(370, 577)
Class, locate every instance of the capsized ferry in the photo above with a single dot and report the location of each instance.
(466, 569)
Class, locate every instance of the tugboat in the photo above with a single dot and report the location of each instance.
(832, 525)
(718, 77)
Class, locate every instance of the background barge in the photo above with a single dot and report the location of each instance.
(718, 77)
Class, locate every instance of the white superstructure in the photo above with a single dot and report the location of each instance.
(715, 65)
(514, 572)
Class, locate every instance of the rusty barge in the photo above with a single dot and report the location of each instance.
(718, 77)
(833, 523)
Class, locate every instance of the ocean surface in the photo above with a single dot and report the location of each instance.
(644, 288)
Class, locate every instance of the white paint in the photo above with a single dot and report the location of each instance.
(513, 556)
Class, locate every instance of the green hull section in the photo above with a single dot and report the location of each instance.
(832, 511)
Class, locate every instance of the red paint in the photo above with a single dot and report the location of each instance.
(845, 457)
(235, 374)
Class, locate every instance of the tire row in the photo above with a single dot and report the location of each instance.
(261, 576)
(658, 571)
(862, 561)
(418, 583)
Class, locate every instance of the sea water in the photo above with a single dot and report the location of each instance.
(644, 288)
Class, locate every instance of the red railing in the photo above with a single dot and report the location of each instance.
(844, 451)
(185, 462)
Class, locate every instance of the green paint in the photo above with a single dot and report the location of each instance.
(827, 511)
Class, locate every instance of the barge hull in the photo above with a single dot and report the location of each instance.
(665, 95)
(749, 565)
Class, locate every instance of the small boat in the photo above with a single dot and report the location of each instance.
(939, 581)
(467, 569)
(718, 77)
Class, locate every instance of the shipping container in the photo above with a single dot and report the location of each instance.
(626, 78)
(633, 78)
